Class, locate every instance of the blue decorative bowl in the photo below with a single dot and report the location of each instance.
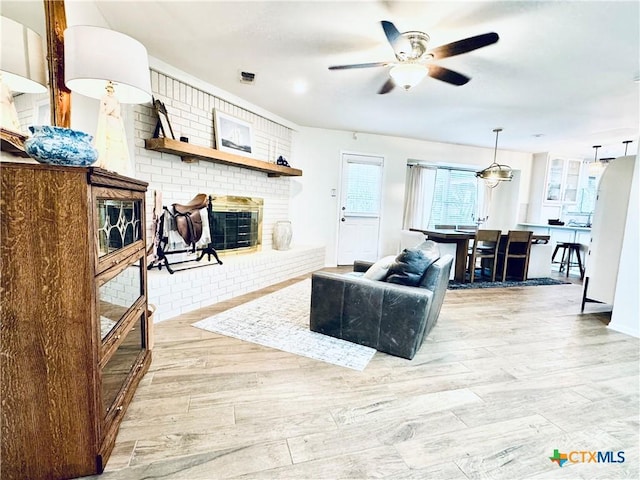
(60, 146)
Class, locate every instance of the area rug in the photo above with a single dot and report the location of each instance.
(281, 320)
(532, 282)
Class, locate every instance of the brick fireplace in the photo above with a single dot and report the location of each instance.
(191, 112)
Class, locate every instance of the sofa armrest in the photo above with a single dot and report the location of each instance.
(361, 266)
(436, 279)
(388, 317)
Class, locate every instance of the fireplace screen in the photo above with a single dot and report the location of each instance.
(236, 223)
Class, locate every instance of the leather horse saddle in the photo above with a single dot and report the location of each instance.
(188, 219)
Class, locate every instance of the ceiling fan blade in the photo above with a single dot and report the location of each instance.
(446, 75)
(387, 87)
(464, 46)
(359, 65)
(399, 43)
(390, 31)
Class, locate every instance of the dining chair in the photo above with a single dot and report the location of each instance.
(485, 249)
(517, 247)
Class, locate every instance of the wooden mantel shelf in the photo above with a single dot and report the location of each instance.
(190, 152)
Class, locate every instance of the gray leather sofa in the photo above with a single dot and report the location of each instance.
(391, 318)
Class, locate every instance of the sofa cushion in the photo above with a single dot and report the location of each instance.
(410, 266)
(380, 269)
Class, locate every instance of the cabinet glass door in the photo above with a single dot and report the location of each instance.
(122, 362)
(572, 181)
(119, 224)
(555, 171)
(117, 295)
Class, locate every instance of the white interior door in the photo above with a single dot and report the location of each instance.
(360, 204)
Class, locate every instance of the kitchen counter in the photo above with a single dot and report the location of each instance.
(556, 227)
(551, 229)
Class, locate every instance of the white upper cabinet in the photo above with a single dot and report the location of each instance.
(562, 180)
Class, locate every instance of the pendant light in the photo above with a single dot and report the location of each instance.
(495, 173)
(596, 168)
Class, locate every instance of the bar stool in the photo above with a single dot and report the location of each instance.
(568, 249)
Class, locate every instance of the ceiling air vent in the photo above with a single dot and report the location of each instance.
(247, 77)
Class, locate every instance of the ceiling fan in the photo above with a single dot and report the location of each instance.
(415, 61)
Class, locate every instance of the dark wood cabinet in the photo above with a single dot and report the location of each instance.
(74, 326)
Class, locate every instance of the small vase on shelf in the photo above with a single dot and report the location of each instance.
(282, 233)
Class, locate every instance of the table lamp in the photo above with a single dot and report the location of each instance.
(113, 67)
(22, 68)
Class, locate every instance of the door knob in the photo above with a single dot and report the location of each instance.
(343, 219)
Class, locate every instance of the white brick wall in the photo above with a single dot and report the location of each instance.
(189, 290)
(191, 113)
(124, 288)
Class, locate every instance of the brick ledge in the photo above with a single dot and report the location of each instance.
(195, 288)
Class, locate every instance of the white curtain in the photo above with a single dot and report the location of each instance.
(418, 196)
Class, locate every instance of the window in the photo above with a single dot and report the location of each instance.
(454, 198)
(363, 188)
(441, 195)
(588, 195)
(580, 213)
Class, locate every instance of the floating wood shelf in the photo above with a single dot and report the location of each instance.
(190, 152)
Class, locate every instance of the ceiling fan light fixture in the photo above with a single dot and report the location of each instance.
(495, 173)
(408, 75)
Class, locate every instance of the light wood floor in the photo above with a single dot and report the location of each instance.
(506, 377)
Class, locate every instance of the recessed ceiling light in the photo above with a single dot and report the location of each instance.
(300, 87)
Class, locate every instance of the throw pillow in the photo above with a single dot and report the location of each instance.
(409, 267)
(379, 270)
(431, 248)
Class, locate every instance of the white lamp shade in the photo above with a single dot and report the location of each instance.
(408, 75)
(22, 60)
(95, 55)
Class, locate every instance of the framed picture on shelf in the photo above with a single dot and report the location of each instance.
(163, 126)
(232, 134)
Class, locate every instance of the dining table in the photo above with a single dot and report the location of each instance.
(462, 239)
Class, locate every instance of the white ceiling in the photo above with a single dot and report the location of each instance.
(564, 70)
